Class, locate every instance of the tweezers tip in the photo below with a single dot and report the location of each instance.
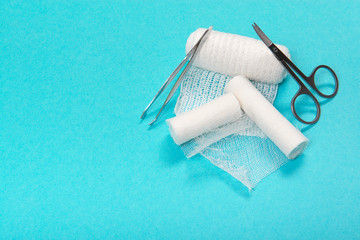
(144, 113)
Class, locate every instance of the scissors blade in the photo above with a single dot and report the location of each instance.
(176, 71)
(262, 35)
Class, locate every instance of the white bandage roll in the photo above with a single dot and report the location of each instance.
(288, 139)
(216, 113)
(234, 55)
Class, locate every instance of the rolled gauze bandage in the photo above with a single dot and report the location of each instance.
(234, 55)
(288, 139)
(214, 114)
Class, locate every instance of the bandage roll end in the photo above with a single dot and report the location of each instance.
(216, 113)
(285, 136)
(299, 149)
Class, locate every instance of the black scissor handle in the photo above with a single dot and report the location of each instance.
(311, 81)
(304, 91)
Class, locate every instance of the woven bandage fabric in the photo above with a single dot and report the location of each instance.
(212, 115)
(234, 55)
(240, 147)
(276, 127)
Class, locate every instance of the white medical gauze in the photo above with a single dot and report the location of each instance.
(289, 139)
(207, 117)
(199, 87)
(239, 148)
(234, 55)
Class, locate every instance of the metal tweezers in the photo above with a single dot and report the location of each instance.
(189, 58)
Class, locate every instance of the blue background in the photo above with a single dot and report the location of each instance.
(76, 161)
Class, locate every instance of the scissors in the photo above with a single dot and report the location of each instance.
(291, 67)
(189, 58)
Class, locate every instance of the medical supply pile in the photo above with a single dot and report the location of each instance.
(224, 111)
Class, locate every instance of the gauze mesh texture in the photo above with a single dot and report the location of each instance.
(239, 148)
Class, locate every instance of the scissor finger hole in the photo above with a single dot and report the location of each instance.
(305, 107)
(325, 81)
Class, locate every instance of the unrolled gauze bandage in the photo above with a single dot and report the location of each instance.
(222, 110)
(288, 139)
(234, 55)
